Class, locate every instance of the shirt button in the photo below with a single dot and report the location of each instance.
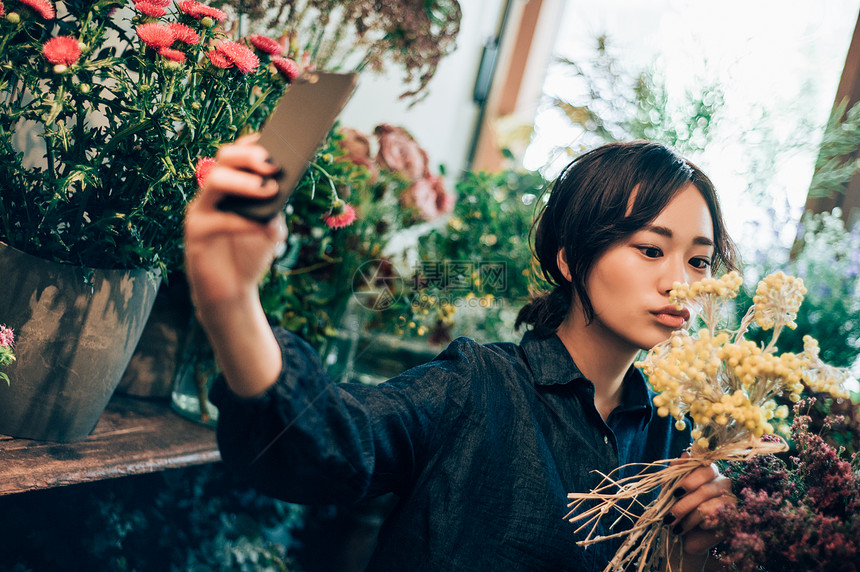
(606, 440)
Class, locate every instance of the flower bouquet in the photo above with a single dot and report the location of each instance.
(725, 387)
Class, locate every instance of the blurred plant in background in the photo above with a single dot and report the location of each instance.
(356, 35)
(198, 518)
(470, 276)
(834, 167)
(615, 103)
(386, 194)
(827, 258)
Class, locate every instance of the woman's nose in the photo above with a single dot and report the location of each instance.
(675, 271)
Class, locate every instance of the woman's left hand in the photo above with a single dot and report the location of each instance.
(700, 494)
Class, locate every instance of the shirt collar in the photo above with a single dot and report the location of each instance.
(552, 364)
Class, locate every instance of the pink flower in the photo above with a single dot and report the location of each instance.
(357, 147)
(7, 337)
(287, 67)
(219, 59)
(198, 11)
(204, 166)
(43, 7)
(243, 58)
(156, 35)
(184, 34)
(61, 50)
(429, 197)
(341, 215)
(2, 10)
(162, 3)
(172, 55)
(266, 44)
(399, 152)
(150, 9)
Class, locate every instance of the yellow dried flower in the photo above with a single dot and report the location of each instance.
(725, 286)
(777, 299)
(725, 383)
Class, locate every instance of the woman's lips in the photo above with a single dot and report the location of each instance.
(672, 317)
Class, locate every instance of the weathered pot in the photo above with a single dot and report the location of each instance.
(75, 331)
(153, 365)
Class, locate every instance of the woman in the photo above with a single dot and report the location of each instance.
(481, 445)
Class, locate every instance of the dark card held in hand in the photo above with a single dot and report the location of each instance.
(293, 133)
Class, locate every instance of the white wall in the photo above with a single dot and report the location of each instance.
(444, 122)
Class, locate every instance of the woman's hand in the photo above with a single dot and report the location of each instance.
(700, 494)
(226, 255)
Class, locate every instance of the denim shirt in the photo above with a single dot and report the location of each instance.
(481, 446)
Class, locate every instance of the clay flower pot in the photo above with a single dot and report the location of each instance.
(76, 329)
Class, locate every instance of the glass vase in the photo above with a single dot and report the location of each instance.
(194, 377)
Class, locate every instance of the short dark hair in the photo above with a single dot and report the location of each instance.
(587, 213)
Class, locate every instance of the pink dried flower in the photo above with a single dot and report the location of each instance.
(266, 44)
(428, 197)
(43, 7)
(150, 9)
(204, 166)
(219, 59)
(341, 215)
(199, 11)
(61, 50)
(156, 35)
(172, 55)
(287, 68)
(242, 57)
(399, 152)
(797, 516)
(7, 337)
(357, 147)
(184, 34)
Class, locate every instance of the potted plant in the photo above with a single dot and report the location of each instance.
(107, 108)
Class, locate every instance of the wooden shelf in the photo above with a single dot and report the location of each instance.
(133, 436)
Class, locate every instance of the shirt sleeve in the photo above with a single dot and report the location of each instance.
(311, 441)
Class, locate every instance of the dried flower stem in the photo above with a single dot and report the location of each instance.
(647, 541)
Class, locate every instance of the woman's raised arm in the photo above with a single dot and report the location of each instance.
(226, 255)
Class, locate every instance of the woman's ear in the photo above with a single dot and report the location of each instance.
(561, 262)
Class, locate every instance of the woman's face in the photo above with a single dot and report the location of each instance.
(629, 284)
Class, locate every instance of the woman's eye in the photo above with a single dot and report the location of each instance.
(700, 263)
(651, 251)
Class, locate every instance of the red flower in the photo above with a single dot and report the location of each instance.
(61, 50)
(266, 44)
(204, 166)
(162, 3)
(156, 35)
(219, 59)
(342, 214)
(287, 67)
(150, 9)
(243, 58)
(184, 34)
(43, 7)
(2, 10)
(171, 54)
(198, 11)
